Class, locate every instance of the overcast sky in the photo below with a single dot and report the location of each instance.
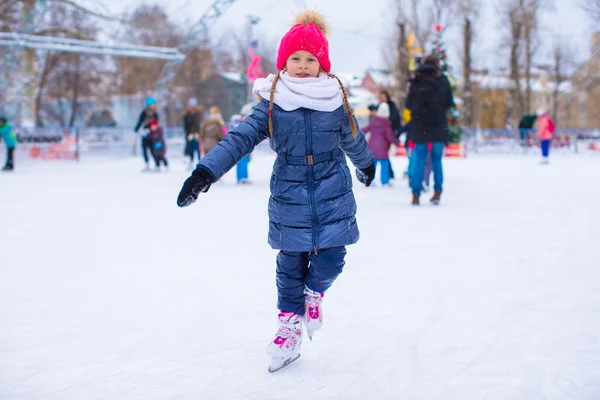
(362, 29)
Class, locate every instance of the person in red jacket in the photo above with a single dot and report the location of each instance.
(545, 133)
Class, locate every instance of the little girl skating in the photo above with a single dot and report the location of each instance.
(306, 116)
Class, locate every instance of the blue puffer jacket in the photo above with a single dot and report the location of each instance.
(311, 205)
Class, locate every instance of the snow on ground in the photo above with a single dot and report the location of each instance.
(109, 291)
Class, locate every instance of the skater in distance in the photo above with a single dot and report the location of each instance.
(306, 116)
(147, 115)
(10, 141)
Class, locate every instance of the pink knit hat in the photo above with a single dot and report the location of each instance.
(308, 34)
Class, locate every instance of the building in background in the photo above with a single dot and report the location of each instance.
(586, 89)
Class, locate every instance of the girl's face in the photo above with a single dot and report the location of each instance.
(302, 64)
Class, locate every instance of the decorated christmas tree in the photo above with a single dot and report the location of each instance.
(454, 115)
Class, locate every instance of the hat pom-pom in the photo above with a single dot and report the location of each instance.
(312, 17)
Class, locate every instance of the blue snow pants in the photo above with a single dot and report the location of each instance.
(545, 145)
(296, 269)
(242, 168)
(193, 147)
(385, 166)
(419, 159)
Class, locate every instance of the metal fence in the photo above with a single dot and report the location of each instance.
(526, 140)
(85, 142)
(77, 143)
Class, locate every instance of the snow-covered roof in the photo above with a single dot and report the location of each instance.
(350, 79)
(361, 97)
(233, 76)
(503, 82)
(538, 86)
(381, 78)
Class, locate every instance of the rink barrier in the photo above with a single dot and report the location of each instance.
(453, 150)
(517, 141)
(74, 143)
(49, 144)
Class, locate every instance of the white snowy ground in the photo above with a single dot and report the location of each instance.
(109, 291)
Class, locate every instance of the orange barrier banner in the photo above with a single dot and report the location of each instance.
(454, 150)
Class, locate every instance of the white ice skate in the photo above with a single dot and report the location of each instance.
(285, 348)
(146, 168)
(313, 314)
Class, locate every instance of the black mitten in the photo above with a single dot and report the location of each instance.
(198, 182)
(366, 175)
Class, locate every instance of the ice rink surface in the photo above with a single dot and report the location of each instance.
(109, 291)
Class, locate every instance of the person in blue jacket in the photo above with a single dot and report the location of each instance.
(312, 207)
(10, 141)
(147, 115)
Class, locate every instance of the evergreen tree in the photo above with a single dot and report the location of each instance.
(454, 114)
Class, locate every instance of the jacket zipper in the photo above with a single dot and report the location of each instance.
(311, 200)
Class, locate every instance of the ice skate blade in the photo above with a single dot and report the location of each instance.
(278, 363)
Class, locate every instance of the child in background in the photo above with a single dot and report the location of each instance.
(312, 210)
(147, 115)
(381, 138)
(545, 132)
(159, 145)
(241, 169)
(10, 141)
(213, 130)
(192, 123)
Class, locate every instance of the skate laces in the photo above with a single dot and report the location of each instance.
(287, 328)
(313, 301)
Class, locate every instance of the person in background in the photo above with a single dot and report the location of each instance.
(408, 143)
(381, 139)
(147, 115)
(525, 127)
(213, 130)
(241, 168)
(192, 123)
(384, 97)
(10, 141)
(545, 132)
(429, 99)
(159, 145)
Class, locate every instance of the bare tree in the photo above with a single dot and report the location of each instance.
(65, 77)
(467, 67)
(561, 55)
(592, 7)
(530, 10)
(421, 22)
(516, 29)
(469, 11)
(9, 10)
(402, 65)
(398, 59)
(149, 26)
(50, 62)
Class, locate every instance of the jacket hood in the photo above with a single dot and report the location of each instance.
(427, 68)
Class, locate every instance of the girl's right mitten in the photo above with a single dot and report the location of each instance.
(198, 182)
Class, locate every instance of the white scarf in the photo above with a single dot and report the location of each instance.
(320, 94)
